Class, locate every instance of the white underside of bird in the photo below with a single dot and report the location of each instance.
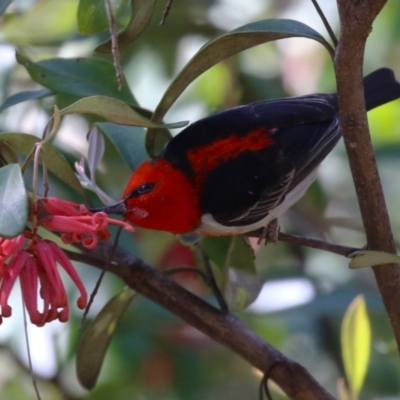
(209, 226)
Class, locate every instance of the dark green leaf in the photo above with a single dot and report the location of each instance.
(3, 5)
(25, 96)
(128, 140)
(92, 15)
(219, 49)
(13, 201)
(115, 111)
(231, 43)
(95, 341)
(81, 77)
(217, 249)
(142, 11)
(55, 161)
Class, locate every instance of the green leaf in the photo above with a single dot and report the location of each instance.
(231, 43)
(47, 21)
(219, 49)
(81, 77)
(7, 155)
(217, 248)
(25, 96)
(356, 344)
(142, 11)
(92, 15)
(13, 201)
(55, 161)
(367, 258)
(115, 111)
(243, 285)
(3, 6)
(95, 341)
(128, 140)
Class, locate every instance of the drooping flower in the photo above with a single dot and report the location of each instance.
(76, 223)
(35, 260)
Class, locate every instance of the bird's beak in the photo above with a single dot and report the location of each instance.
(117, 208)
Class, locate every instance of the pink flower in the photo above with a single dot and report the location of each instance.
(36, 261)
(36, 267)
(76, 223)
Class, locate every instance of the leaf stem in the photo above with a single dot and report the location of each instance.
(166, 12)
(326, 23)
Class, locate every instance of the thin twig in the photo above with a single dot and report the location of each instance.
(166, 12)
(326, 23)
(309, 242)
(100, 279)
(213, 284)
(114, 44)
(28, 350)
(317, 244)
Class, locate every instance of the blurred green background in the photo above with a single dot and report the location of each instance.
(153, 354)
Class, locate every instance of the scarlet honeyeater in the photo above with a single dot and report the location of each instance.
(236, 171)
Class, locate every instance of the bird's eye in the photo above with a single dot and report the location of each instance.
(145, 188)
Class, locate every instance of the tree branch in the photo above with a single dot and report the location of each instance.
(225, 329)
(356, 19)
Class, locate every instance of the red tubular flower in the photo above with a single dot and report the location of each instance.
(35, 261)
(76, 223)
(11, 273)
(37, 270)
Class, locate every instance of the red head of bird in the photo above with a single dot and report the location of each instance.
(160, 196)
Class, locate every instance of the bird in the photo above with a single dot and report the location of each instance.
(238, 170)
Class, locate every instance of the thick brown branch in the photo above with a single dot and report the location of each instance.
(356, 23)
(225, 329)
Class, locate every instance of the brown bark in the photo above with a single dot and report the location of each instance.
(356, 21)
(225, 329)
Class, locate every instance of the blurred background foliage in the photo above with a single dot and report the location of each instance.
(153, 355)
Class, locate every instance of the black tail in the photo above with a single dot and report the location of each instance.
(380, 88)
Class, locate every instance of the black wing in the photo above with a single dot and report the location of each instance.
(243, 191)
(270, 114)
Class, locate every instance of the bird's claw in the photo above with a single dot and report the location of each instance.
(269, 233)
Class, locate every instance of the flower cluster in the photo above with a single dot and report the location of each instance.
(34, 260)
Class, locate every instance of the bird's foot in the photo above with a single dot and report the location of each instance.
(269, 233)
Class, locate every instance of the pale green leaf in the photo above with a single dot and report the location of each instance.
(368, 258)
(356, 343)
(13, 201)
(115, 111)
(96, 151)
(47, 21)
(94, 344)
